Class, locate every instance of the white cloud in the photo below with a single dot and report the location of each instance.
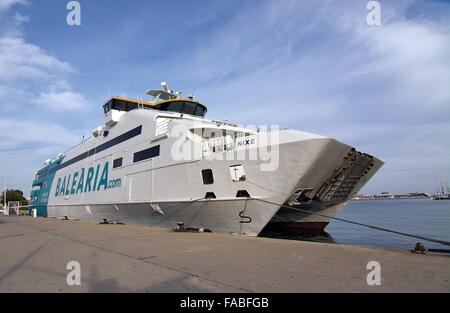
(413, 57)
(19, 18)
(65, 101)
(6, 4)
(23, 64)
(22, 60)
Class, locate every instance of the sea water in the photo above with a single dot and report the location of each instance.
(422, 217)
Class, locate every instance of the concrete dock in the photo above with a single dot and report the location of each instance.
(34, 253)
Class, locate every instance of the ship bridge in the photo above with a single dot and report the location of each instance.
(163, 100)
(178, 105)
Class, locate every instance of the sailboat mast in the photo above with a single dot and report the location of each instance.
(440, 189)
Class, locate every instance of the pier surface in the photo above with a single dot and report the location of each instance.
(34, 253)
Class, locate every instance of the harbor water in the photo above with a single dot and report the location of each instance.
(422, 217)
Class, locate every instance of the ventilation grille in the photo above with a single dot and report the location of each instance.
(161, 126)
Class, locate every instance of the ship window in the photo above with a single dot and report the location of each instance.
(182, 107)
(119, 105)
(199, 111)
(146, 154)
(131, 106)
(107, 107)
(117, 162)
(175, 106)
(189, 108)
(237, 173)
(208, 178)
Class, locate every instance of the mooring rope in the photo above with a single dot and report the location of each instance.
(442, 242)
(184, 204)
(180, 206)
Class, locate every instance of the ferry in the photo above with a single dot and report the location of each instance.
(162, 162)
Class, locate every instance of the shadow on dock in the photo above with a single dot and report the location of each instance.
(323, 237)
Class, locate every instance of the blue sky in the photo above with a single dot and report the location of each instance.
(309, 65)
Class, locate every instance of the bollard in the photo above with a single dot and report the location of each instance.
(420, 248)
(34, 213)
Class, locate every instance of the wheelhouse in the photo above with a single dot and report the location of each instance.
(184, 106)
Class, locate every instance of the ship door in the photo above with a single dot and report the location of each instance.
(139, 185)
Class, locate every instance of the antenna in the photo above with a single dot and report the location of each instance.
(164, 84)
(440, 188)
(4, 202)
(436, 181)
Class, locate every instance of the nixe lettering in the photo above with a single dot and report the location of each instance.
(78, 182)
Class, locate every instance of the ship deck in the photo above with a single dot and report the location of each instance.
(120, 258)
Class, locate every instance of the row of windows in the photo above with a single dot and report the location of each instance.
(185, 107)
(178, 106)
(146, 154)
(119, 139)
(139, 156)
(120, 105)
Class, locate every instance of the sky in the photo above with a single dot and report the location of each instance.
(316, 66)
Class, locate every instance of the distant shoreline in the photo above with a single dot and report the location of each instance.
(391, 198)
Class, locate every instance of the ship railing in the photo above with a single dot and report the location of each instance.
(225, 123)
(80, 145)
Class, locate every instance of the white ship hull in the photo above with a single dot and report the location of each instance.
(222, 213)
(220, 216)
